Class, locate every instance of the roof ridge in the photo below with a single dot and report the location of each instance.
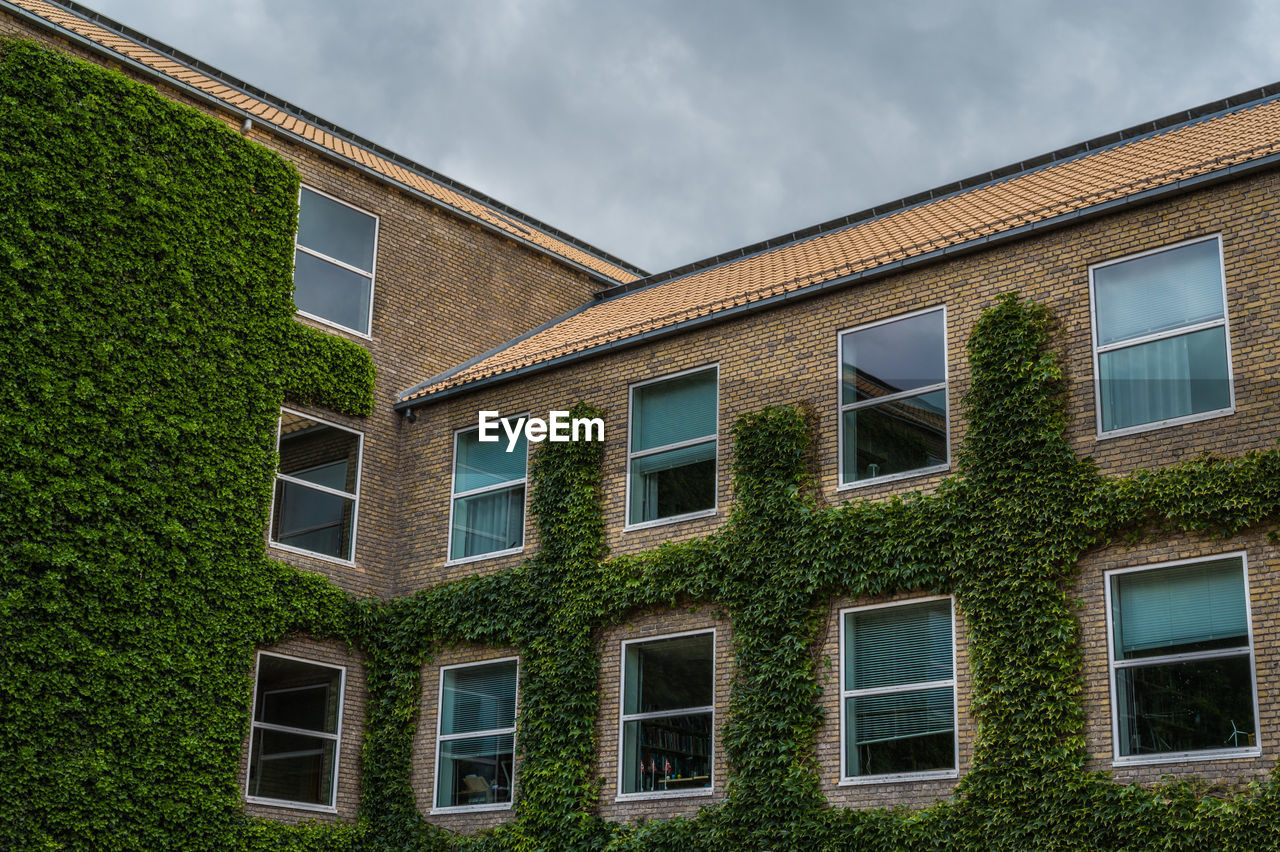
(1165, 124)
(512, 215)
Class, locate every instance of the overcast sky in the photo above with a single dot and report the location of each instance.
(665, 132)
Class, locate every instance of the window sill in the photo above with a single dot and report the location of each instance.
(285, 803)
(623, 798)
(363, 335)
(1164, 424)
(471, 809)
(333, 560)
(480, 557)
(893, 477)
(674, 519)
(1189, 756)
(901, 777)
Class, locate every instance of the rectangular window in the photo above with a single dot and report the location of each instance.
(475, 743)
(898, 687)
(1182, 680)
(297, 727)
(487, 517)
(668, 711)
(333, 261)
(672, 450)
(317, 488)
(1161, 348)
(893, 398)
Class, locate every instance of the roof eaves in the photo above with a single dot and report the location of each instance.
(503, 211)
(1168, 123)
(947, 252)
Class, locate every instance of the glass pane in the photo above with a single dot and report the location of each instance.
(1171, 707)
(669, 674)
(318, 453)
(898, 645)
(292, 767)
(478, 698)
(1168, 378)
(1197, 607)
(313, 520)
(679, 409)
(676, 482)
(900, 732)
(896, 356)
(1158, 292)
(297, 694)
(336, 230)
(895, 437)
(671, 753)
(487, 523)
(479, 463)
(475, 771)
(324, 289)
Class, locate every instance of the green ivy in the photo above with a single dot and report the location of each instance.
(145, 261)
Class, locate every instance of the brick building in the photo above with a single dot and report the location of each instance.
(1151, 246)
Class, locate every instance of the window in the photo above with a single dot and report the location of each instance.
(898, 688)
(333, 261)
(668, 698)
(488, 496)
(297, 725)
(1181, 661)
(672, 457)
(1161, 353)
(893, 398)
(317, 488)
(475, 743)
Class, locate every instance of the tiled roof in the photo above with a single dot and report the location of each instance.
(266, 110)
(1165, 155)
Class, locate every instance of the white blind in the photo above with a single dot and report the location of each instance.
(1167, 609)
(1158, 292)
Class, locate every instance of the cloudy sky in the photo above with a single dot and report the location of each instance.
(668, 131)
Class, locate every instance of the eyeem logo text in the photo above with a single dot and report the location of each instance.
(559, 427)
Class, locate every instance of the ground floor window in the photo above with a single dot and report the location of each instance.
(475, 748)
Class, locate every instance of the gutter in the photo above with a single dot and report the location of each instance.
(968, 247)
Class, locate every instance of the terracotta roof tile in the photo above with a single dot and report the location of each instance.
(513, 224)
(1071, 184)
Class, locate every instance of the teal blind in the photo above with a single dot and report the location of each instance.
(337, 230)
(1158, 292)
(898, 645)
(900, 715)
(479, 698)
(477, 463)
(678, 409)
(658, 462)
(1168, 608)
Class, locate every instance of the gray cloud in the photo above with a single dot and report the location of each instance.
(668, 131)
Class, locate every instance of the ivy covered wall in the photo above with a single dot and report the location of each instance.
(149, 342)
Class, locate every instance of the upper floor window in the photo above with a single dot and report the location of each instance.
(317, 488)
(334, 261)
(893, 398)
(1182, 681)
(488, 496)
(672, 451)
(475, 743)
(668, 707)
(898, 687)
(1161, 349)
(297, 728)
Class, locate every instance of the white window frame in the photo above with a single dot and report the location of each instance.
(842, 407)
(623, 718)
(673, 519)
(846, 693)
(353, 496)
(1225, 322)
(371, 274)
(454, 497)
(255, 726)
(440, 738)
(1113, 664)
